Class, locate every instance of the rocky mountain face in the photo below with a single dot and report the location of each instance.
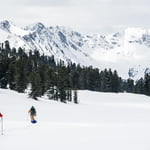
(128, 51)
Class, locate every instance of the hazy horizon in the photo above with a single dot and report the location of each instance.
(96, 16)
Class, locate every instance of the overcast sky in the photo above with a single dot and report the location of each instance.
(86, 16)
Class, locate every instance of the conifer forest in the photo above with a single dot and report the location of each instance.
(43, 75)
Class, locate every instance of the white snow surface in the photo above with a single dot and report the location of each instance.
(101, 121)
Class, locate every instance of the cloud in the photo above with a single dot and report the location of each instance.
(40, 2)
(90, 16)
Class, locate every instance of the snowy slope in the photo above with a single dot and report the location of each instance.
(101, 121)
(124, 51)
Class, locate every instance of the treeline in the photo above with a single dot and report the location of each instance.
(19, 71)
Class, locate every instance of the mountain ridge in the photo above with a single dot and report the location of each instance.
(128, 52)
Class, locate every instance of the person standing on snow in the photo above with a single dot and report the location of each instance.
(32, 112)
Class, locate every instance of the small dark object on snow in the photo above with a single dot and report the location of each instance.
(33, 121)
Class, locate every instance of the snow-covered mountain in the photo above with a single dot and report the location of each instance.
(126, 51)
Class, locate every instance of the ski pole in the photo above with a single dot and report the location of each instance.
(1, 116)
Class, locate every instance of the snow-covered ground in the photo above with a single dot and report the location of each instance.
(102, 121)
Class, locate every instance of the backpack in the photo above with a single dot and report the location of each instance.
(33, 111)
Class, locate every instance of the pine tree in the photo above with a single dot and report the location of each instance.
(4, 63)
(147, 84)
(102, 81)
(90, 79)
(107, 80)
(130, 85)
(12, 73)
(42, 69)
(62, 83)
(74, 78)
(51, 84)
(116, 85)
(139, 86)
(21, 52)
(75, 98)
(20, 76)
(36, 88)
(82, 80)
(13, 52)
(7, 47)
(3, 82)
(69, 95)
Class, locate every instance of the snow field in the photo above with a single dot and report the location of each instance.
(102, 121)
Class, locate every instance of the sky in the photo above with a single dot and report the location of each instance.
(86, 16)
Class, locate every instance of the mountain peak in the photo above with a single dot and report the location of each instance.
(5, 25)
(35, 27)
